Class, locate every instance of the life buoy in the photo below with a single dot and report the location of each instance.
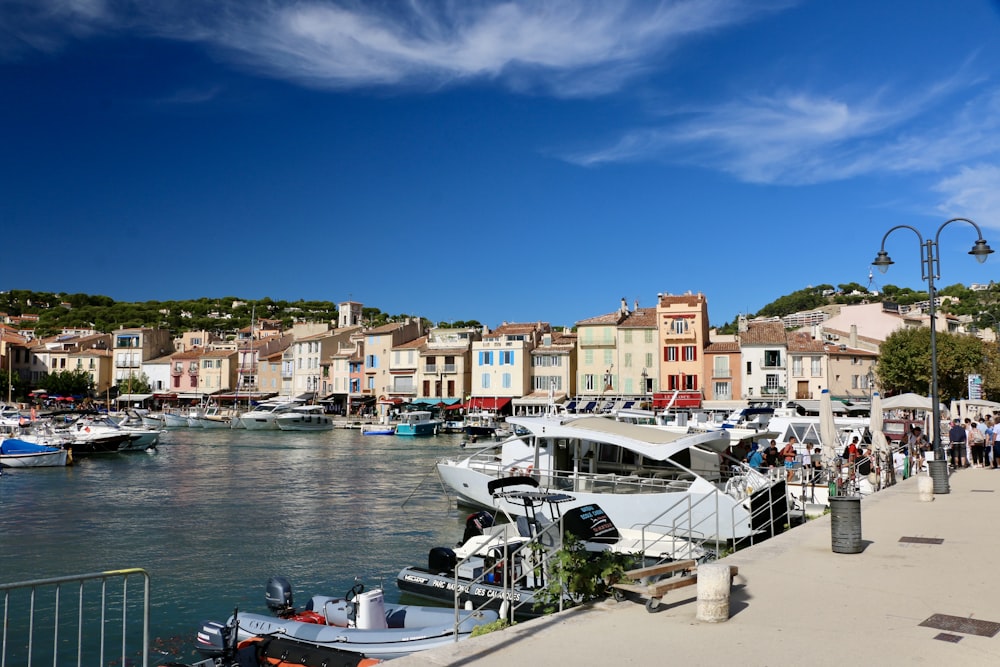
(527, 471)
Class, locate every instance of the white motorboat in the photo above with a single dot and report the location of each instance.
(304, 418)
(503, 558)
(673, 483)
(212, 417)
(17, 453)
(360, 622)
(177, 417)
(262, 416)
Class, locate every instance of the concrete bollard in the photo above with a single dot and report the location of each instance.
(925, 488)
(713, 593)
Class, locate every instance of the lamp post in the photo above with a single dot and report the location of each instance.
(644, 376)
(871, 384)
(930, 270)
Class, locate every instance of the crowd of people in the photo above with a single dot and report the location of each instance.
(972, 443)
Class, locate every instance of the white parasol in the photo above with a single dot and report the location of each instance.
(827, 429)
(880, 444)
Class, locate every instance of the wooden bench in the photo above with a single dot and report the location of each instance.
(685, 574)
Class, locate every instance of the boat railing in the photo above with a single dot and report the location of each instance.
(626, 481)
(678, 519)
(531, 556)
(80, 619)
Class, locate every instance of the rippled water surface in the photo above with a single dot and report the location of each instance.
(212, 514)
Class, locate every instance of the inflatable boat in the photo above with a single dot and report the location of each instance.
(360, 622)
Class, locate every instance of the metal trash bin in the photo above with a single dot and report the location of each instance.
(845, 524)
(938, 471)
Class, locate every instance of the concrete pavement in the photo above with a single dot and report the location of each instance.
(797, 602)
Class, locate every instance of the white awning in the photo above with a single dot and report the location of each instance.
(133, 398)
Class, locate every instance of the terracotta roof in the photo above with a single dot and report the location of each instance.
(643, 318)
(385, 328)
(513, 329)
(763, 333)
(189, 354)
(216, 353)
(610, 318)
(685, 299)
(415, 343)
(801, 341)
(723, 347)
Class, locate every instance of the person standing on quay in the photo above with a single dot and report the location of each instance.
(956, 441)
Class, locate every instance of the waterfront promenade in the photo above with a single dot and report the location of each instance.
(796, 602)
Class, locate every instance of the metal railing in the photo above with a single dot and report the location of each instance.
(82, 633)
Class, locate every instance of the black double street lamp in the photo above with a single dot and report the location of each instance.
(930, 270)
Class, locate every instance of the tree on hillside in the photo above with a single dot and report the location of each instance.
(904, 363)
(804, 299)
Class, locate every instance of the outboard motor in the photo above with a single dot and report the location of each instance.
(278, 595)
(441, 560)
(212, 639)
(476, 523)
(370, 607)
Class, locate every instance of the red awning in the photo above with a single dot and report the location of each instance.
(685, 399)
(487, 403)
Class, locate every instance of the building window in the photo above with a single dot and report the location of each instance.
(691, 382)
(485, 382)
(505, 380)
(797, 367)
(679, 326)
(627, 336)
(485, 358)
(628, 360)
(722, 391)
(816, 366)
(690, 353)
(544, 382)
(670, 353)
(588, 382)
(720, 366)
(749, 368)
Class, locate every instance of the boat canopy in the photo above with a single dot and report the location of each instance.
(654, 444)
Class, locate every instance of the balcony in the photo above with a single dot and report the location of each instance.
(721, 373)
(771, 365)
(773, 391)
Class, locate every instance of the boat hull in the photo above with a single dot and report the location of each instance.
(411, 628)
(16, 453)
(417, 429)
(303, 425)
(671, 512)
(440, 587)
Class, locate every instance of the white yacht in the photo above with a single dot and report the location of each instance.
(674, 483)
(304, 418)
(262, 416)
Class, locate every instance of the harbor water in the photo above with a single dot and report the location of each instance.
(212, 514)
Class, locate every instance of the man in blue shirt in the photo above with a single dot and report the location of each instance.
(956, 442)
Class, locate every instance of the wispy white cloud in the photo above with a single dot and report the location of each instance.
(973, 192)
(800, 138)
(558, 46)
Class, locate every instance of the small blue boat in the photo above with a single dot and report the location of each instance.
(418, 422)
(378, 431)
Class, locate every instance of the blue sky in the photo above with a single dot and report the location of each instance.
(498, 161)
